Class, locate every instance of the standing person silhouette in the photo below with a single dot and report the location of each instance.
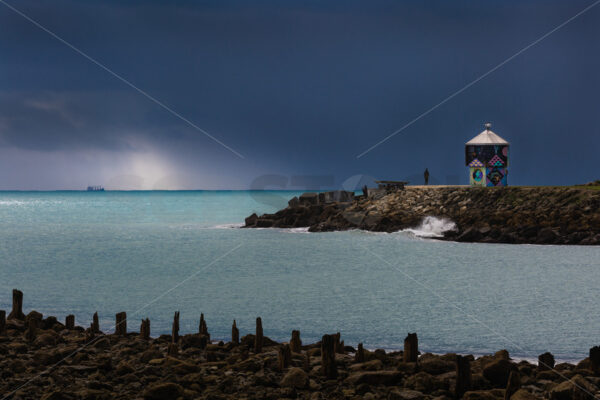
(426, 176)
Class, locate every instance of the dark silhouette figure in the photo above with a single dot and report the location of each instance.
(426, 176)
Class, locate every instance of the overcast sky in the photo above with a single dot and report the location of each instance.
(298, 89)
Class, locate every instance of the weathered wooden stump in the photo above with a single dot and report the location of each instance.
(359, 357)
(284, 357)
(175, 329)
(202, 328)
(95, 324)
(295, 342)
(463, 376)
(89, 333)
(203, 341)
(235, 334)
(338, 345)
(31, 331)
(173, 350)
(70, 322)
(258, 338)
(2, 322)
(17, 306)
(514, 384)
(121, 324)
(328, 366)
(411, 348)
(545, 362)
(145, 329)
(595, 359)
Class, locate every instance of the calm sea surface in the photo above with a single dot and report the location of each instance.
(153, 253)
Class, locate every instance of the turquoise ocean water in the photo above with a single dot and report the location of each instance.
(153, 253)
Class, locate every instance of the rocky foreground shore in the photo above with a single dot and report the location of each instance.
(539, 215)
(42, 358)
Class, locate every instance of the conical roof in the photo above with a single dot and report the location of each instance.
(486, 137)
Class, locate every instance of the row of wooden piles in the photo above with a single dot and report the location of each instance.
(330, 345)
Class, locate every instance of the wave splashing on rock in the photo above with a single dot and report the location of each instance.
(432, 227)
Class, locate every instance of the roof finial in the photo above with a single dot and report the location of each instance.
(488, 126)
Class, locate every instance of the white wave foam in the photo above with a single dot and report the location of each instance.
(12, 203)
(432, 227)
(297, 230)
(228, 226)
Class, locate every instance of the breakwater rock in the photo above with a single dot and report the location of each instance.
(42, 358)
(539, 215)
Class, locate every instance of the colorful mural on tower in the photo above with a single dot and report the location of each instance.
(478, 177)
(496, 176)
(486, 155)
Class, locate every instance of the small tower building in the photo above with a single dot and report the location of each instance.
(486, 155)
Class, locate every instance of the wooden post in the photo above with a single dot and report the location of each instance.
(295, 342)
(328, 367)
(284, 357)
(2, 322)
(258, 338)
(173, 350)
(514, 384)
(70, 321)
(89, 334)
(203, 341)
(545, 362)
(202, 329)
(17, 305)
(359, 357)
(411, 348)
(95, 324)
(463, 376)
(235, 334)
(145, 329)
(121, 324)
(175, 330)
(31, 331)
(595, 359)
(339, 345)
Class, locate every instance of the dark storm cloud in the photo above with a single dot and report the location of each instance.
(302, 87)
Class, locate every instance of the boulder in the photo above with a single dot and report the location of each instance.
(294, 202)
(150, 354)
(436, 366)
(482, 395)
(295, 378)
(373, 365)
(422, 382)
(523, 394)
(498, 371)
(163, 391)
(46, 339)
(470, 235)
(123, 368)
(375, 378)
(575, 388)
(251, 220)
(309, 198)
(36, 316)
(405, 395)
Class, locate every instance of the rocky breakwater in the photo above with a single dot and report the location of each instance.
(540, 215)
(42, 358)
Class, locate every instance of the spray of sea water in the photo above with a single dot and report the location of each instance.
(432, 227)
